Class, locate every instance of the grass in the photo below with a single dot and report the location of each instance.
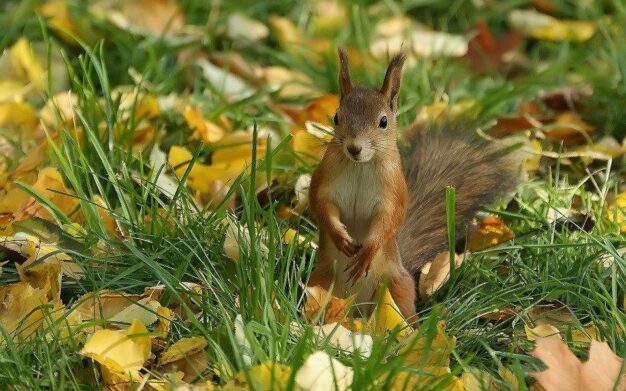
(548, 261)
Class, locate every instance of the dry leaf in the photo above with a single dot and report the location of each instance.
(435, 273)
(544, 27)
(117, 352)
(320, 372)
(542, 330)
(146, 17)
(566, 372)
(224, 83)
(488, 53)
(569, 127)
(289, 83)
(490, 232)
(427, 43)
(344, 339)
(203, 129)
(51, 186)
(387, 317)
(437, 355)
(186, 355)
(20, 309)
(240, 26)
(266, 376)
(319, 300)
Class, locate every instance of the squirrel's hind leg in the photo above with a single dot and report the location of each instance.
(402, 289)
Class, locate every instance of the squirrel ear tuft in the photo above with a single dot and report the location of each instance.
(345, 85)
(393, 79)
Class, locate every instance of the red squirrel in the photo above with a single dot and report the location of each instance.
(380, 222)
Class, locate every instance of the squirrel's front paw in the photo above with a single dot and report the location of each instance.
(344, 242)
(359, 268)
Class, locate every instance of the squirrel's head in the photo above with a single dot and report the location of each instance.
(365, 123)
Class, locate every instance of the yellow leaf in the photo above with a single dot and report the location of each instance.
(61, 21)
(429, 378)
(616, 212)
(138, 333)
(437, 355)
(166, 316)
(105, 214)
(44, 276)
(201, 176)
(144, 310)
(59, 109)
(475, 379)
(204, 130)
(20, 309)
(319, 300)
(182, 348)
(590, 333)
(265, 376)
(20, 116)
(545, 27)
(308, 146)
(387, 317)
(26, 67)
(104, 305)
(289, 83)
(51, 186)
(186, 355)
(541, 330)
(490, 232)
(117, 352)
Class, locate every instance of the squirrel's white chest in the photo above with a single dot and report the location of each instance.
(355, 192)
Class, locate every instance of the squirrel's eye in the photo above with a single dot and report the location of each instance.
(336, 119)
(383, 122)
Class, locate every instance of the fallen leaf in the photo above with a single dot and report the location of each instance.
(488, 53)
(435, 273)
(145, 17)
(187, 355)
(231, 87)
(144, 310)
(319, 300)
(240, 26)
(320, 372)
(44, 276)
(490, 232)
(118, 353)
(21, 313)
(424, 352)
(265, 376)
(542, 330)
(203, 129)
(566, 372)
(387, 317)
(569, 127)
(344, 339)
(289, 83)
(545, 27)
(51, 186)
(425, 43)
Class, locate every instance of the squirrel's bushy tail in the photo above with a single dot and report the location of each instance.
(447, 156)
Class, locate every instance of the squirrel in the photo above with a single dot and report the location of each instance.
(381, 213)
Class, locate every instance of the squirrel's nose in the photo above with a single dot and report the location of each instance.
(354, 150)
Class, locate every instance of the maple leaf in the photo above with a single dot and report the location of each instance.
(566, 372)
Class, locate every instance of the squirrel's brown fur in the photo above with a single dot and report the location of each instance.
(359, 194)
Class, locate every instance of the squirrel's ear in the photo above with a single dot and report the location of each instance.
(393, 78)
(345, 85)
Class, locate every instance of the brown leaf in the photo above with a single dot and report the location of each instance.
(570, 128)
(319, 299)
(488, 53)
(566, 372)
(434, 274)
